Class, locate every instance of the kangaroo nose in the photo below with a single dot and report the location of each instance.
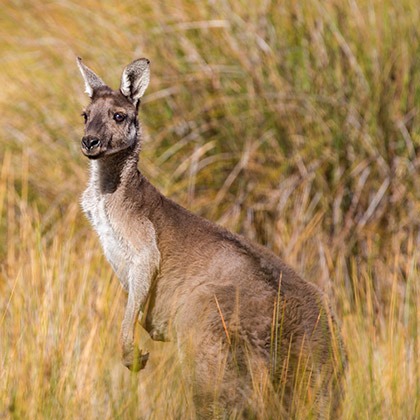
(90, 143)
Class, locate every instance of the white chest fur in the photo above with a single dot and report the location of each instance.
(125, 259)
(113, 246)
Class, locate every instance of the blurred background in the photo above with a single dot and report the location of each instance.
(293, 123)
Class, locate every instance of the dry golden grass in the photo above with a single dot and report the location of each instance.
(294, 124)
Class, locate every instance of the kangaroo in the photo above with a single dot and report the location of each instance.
(232, 306)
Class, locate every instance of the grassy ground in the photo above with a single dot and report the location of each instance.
(296, 125)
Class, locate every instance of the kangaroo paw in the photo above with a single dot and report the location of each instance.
(135, 359)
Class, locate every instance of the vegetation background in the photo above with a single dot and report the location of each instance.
(293, 123)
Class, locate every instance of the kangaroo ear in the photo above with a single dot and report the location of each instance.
(92, 81)
(135, 79)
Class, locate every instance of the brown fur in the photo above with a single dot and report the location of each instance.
(233, 306)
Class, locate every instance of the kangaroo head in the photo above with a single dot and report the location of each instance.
(111, 123)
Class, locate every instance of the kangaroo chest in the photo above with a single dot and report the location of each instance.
(129, 240)
(115, 248)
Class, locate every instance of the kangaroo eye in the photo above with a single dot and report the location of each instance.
(84, 115)
(118, 117)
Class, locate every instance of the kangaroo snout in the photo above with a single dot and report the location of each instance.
(90, 143)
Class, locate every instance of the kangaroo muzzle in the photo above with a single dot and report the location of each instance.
(90, 143)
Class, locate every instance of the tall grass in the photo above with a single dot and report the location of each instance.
(295, 124)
